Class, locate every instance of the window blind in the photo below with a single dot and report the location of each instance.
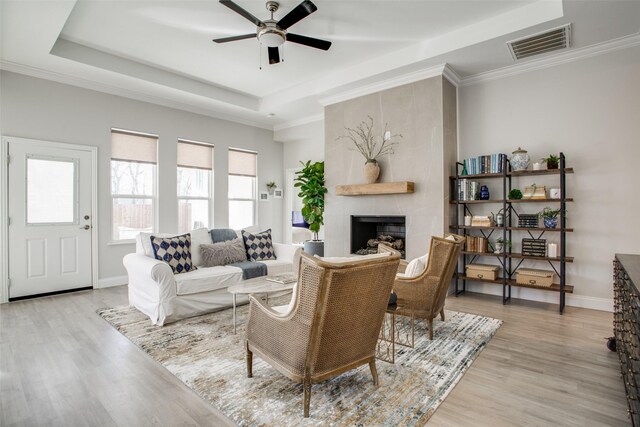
(242, 163)
(194, 155)
(131, 147)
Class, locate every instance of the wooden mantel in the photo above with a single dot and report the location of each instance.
(403, 187)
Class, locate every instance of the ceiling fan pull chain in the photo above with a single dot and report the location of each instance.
(260, 55)
(282, 53)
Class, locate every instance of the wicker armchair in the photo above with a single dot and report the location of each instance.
(428, 290)
(333, 324)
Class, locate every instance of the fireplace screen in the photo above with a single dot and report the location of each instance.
(368, 231)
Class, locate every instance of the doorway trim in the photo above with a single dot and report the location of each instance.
(4, 206)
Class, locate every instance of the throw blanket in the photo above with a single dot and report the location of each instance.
(251, 269)
(223, 234)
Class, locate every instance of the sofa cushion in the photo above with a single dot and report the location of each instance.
(175, 251)
(259, 245)
(277, 266)
(143, 243)
(199, 236)
(207, 279)
(223, 253)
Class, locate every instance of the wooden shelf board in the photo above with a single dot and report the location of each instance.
(555, 287)
(470, 202)
(568, 199)
(519, 256)
(404, 187)
(474, 227)
(514, 174)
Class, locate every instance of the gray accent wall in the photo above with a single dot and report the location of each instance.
(424, 155)
(40, 109)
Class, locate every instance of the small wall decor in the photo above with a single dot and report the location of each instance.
(370, 146)
(278, 193)
(264, 196)
(271, 186)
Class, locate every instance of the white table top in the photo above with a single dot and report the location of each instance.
(259, 285)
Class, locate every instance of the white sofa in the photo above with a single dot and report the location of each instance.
(166, 297)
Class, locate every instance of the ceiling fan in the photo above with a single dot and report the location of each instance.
(274, 33)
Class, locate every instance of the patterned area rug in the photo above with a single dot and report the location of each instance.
(204, 353)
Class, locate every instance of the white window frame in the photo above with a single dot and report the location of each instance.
(211, 178)
(153, 197)
(254, 189)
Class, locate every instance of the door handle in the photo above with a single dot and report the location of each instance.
(86, 227)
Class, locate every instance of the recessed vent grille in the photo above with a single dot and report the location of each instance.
(548, 41)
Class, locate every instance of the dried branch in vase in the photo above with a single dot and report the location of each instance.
(366, 143)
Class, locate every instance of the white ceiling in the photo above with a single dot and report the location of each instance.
(161, 51)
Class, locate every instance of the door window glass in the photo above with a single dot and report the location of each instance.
(52, 192)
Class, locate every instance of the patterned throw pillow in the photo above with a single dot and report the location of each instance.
(259, 245)
(175, 251)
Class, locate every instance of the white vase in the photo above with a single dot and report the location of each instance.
(371, 171)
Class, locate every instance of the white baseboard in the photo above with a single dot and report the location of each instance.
(581, 301)
(108, 282)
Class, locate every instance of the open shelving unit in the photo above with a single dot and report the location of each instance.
(510, 261)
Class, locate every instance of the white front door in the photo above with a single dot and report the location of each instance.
(50, 218)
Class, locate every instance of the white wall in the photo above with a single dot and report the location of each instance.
(590, 110)
(40, 109)
(300, 143)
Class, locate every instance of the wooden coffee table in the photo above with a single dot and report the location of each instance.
(259, 285)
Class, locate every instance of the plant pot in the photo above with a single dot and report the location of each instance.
(314, 247)
(498, 248)
(550, 222)
(371, 171)
(271, 190)
(552, 165)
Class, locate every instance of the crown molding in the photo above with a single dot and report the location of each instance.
(298, 122)
(555, 60)
(126, 93)
(411, 77)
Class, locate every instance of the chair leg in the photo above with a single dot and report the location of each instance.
(431, 329)
(442, 314)
(374, 372)
(307, 396)
(249, 364)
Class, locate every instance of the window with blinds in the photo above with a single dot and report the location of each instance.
(195, 175)
(243, 167)
(133, 183)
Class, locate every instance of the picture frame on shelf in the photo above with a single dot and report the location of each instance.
(278, 193)
(263, 196)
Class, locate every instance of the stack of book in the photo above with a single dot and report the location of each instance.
(481, 221)
(528, 221)
(492, 163)
(468, 190)
(476, 244)
(534, 247)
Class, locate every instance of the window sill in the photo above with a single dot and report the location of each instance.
(121, 242)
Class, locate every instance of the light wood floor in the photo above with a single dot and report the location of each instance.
(61, 364)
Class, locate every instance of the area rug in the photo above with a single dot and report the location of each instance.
(204, 353)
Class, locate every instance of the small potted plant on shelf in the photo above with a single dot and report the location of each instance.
(550, 217)
(271, 186)
(515, 194)
(552, 161)
(500, 244)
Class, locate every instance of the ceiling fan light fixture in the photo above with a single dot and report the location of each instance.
(271, 37)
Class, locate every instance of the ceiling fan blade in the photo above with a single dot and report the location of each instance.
(240, 11)
(301, 11)
(234, 38)
(274, 55)
(309, 41)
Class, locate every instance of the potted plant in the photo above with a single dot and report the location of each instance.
(550, 217)
(500, 244)
(310, 181)
(515, 194)
(367, 144)
(552, 161)
(271, 186)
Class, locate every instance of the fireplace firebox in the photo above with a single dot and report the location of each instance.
(368, 231)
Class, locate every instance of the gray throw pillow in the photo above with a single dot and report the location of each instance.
(223, 253)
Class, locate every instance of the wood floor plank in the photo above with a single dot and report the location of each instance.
(61, 364)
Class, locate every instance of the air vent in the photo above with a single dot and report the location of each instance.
(548, 41)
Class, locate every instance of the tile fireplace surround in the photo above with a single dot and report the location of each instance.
(424, 112)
